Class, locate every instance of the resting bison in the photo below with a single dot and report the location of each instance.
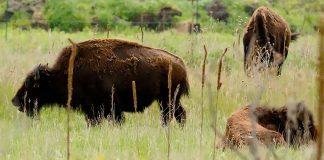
(274, 126)
(102, 81)
(266, 41)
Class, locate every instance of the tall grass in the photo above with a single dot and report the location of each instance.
(23, 138)
(203, 70)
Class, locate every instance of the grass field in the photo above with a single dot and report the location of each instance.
(142, 136)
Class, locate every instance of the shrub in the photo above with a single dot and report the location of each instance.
(65, 16)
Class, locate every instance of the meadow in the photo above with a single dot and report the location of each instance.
(142, 136)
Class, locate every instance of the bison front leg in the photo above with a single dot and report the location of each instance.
(116, 114)
(119, 117)
(94, 115)
(93, 119)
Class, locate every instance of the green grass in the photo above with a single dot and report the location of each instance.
(45, 138)
(65, 15)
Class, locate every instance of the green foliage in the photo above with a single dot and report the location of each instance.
(20, 19)
(65, 16)
(73, 15)
(2, 8)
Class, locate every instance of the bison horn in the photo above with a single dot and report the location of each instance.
(37, 75)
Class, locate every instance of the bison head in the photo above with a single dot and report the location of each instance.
(300, 126)
(29, 98)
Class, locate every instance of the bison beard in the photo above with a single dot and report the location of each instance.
(291, 125)
(102, 81)
(266, 41)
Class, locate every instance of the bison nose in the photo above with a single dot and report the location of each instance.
(15, 101)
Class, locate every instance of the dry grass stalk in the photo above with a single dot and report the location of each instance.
(219, 74)
(321, 91)
(142, 32)
(169, 88)
(253, 144)
(134, 95)
(252, 61)
(202, 96)
(70, 91)
(233, 148)
(108, 32)
(112, 109)
(169, 104)
(174, 99)
(219, 84)
(135, 108)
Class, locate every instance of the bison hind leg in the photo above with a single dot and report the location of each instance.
(180, 114)
(166, 115)
(168, 111)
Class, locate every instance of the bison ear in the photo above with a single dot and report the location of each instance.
(37, 73)
(301, 106)
(41, 72)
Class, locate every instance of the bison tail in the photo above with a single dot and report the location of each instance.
(184, 87)
(260, 28)
(294, 36)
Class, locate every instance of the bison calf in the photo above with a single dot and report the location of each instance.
(266, 41)
(291, 125)
(102, 81)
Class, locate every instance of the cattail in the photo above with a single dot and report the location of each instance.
(219, 84)
(135, 108)
(134, 95)
(321, 90)
(70, 90)
(202, 96)
(169, 104)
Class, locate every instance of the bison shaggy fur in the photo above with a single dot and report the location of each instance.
(102, 81)
(266, 41)
(293, 125)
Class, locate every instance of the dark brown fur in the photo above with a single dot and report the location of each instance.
(275, 126)
(100, 67)
(266, 41)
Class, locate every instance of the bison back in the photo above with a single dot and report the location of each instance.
(110, 64)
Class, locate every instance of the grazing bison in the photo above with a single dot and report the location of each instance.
(266, 41)
(291, 125)
(102, 81)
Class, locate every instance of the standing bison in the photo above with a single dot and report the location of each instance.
(266, 41)
(293, 125)
(102, 81)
